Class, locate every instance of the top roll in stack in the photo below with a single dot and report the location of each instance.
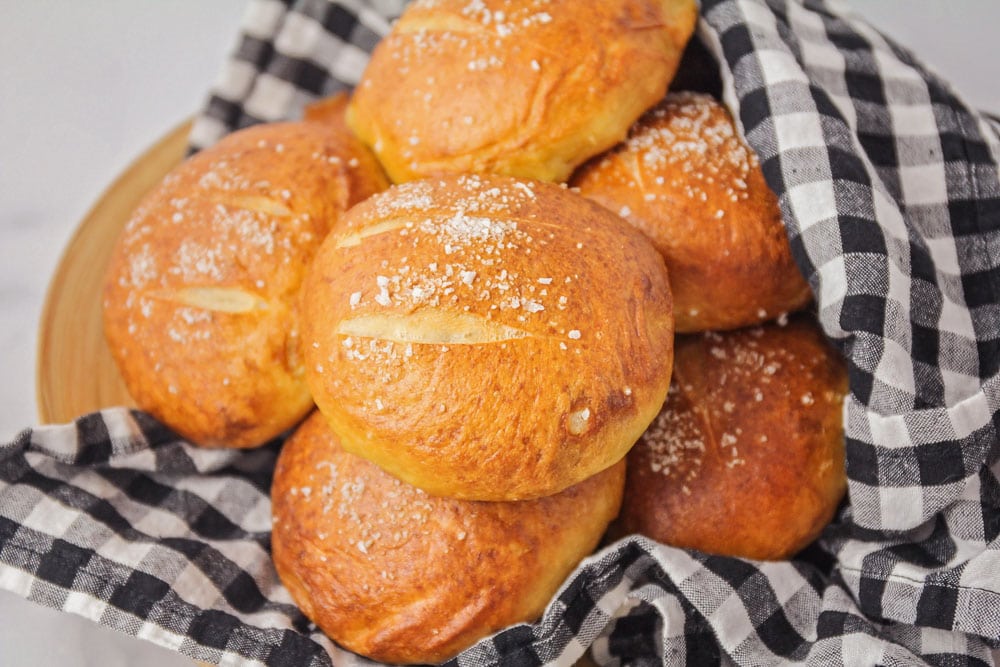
(527, 88)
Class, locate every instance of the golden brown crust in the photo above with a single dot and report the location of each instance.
(200, 301)
(747, 456)
(487, 338)
(399, 576)
(689, 182)
(525, 88)
(331, 109)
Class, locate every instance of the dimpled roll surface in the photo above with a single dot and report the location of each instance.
(487, 338)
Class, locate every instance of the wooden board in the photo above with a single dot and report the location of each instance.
(75, 371)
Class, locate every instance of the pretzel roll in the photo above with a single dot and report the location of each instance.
(200, 300)
(747, 456)
(688, 180)
(399, 576)
(527, 88)
(487, 338)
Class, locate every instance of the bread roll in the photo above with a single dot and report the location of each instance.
(526, 88)
(399, 576)
(330, 109)
(200, 297)
(487, 338)
(690, 183)
(747, 456)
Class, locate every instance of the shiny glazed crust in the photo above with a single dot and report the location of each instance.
(487, 338)
(200, 301)
(523, 88)
(399, 576)
(689, 182)
(747, 456)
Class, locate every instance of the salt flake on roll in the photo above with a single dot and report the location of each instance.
(486, 337)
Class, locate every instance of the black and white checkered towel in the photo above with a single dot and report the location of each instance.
(889, 188)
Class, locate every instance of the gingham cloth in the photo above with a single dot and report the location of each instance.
(889, 189)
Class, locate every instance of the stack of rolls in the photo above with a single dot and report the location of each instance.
(484, 346)
(746, 457)
(489, 341)
(494, 346)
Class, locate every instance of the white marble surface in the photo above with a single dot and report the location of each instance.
(88, 85)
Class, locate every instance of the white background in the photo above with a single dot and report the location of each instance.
(86, 86)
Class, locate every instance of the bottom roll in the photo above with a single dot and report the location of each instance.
(397, 575)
